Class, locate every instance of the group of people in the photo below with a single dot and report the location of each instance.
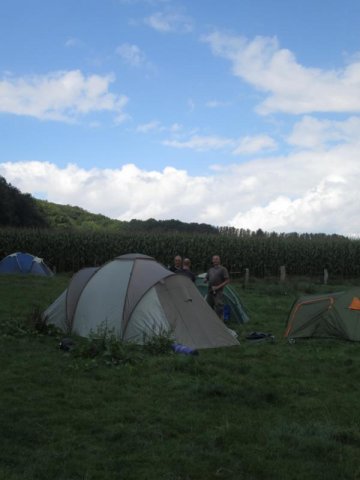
(217, 277)
(183, 266)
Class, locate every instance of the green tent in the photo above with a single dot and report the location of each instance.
(231, 298)
(329, 315)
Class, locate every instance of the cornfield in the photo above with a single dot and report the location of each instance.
(69, 251)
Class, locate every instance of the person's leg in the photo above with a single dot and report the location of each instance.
(210, 300)
(219, 305)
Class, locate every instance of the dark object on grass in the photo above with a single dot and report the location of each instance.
(256, 337)
(66, 344)
(178, 348)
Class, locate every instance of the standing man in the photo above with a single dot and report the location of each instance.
(187, 269)
(177, 267)
(217, 277)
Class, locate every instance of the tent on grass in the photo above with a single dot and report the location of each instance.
(330, 315)
(231, 298)
(24, 263)
(135, 297)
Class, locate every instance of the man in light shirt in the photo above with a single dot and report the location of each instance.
(217, 278)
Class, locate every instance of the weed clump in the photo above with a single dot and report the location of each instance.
(36, 322)
(104, 344)
(158, 344)
(33, 323)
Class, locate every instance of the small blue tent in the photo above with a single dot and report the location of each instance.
(24, 263)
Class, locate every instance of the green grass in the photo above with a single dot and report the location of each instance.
(264, 411)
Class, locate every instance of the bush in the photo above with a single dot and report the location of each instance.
(104, 344)
(159, 343)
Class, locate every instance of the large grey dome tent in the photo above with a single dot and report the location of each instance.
(136, 297)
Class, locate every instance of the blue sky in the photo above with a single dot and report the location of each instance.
(232, 112)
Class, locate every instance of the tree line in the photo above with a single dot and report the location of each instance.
(18, 209)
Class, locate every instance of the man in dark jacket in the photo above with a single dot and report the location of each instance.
(177, 267)
(187, 269)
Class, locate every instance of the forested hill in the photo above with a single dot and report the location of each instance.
(19, 209)
(22, 210)
(66, 216)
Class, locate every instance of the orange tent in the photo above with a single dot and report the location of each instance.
(355, 304)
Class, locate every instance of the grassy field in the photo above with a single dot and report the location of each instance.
(257, 411)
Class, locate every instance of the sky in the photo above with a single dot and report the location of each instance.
(241, 113)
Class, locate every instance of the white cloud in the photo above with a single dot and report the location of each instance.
(166, 22)
(291, 87)
(191, 104)
(201, 143)
(62, 96)
(216, 104)
(304, 192)
(131, 54)
(251, 145)
(156, 126)
(175, 127)
(162, 192)
(319, 204)
(243, 146)
(152, 126)
(311, 132)
(74, 43)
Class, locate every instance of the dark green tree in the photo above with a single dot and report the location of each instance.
(18, 209)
